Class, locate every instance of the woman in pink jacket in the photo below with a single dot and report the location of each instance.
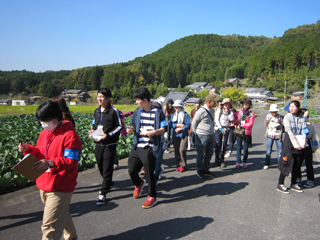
(244, 118)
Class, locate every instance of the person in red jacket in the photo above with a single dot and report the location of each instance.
(58, 150)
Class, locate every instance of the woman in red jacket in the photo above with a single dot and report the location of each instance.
(58, 150)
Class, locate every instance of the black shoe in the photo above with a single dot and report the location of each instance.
(201, 175)
(208, 173)
(283, 189)
(113, 185)
(296, 188)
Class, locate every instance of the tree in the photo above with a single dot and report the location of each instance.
(235, 94)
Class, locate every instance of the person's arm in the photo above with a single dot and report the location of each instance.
(196, 120)
(287, 125)
(250, 123)
(217, 118)
(132, 127)
(187, 122)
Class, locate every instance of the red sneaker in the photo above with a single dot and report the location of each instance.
(182, 169)
(178, 168)
(151, 201)
(138, 189)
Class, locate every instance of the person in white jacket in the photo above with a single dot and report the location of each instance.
(223, 120)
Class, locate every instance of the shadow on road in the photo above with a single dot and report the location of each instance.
(170, 229)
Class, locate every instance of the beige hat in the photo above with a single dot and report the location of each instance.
(211, 97)
(274, 108)
(226, 100)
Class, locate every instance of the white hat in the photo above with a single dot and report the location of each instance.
(178, 103)
(274, 108)
(226, 100)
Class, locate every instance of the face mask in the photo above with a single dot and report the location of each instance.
(48, 125)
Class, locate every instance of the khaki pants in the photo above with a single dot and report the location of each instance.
(56, 216)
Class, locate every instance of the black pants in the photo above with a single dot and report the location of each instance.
(296, 169)
(308, 157)
(139, 158)
(105, 157)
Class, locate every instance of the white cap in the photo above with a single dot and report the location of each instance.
(178, 103)
(274, 108)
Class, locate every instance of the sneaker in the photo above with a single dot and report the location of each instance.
(309, 184)
(296, 188)
(178, 168)
(244, 165)
(282, 188)
(115, 167)
(182, 169)
(167, 151)
(266, 167)
(138, 189)
(161, 172)
(228, 154)
(101, 200)
(143, 172)
(201, 175)
(223, 165)
(151, 201)
(113, 185)
(238, 165)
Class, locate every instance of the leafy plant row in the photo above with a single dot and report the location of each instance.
(26, 128)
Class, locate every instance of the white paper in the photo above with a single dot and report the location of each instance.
(301, 140)
(97, 134)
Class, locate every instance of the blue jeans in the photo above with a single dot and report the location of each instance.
(245, 149)
(158, 162)
(204, 147)
(269, 149)
(231, 136)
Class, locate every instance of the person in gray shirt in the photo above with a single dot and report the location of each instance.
(202, 126)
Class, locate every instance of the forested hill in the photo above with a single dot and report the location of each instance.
(264, 62)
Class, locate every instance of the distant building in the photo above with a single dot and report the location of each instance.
(74, 93)
(260, 94)
(18, 102)
(230, 80)
(5, 102)
(183, 96)
(297, 95)
(192, 101)
(198, 86)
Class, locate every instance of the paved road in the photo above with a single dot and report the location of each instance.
(237, 204)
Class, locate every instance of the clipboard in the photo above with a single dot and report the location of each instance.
(25, 168)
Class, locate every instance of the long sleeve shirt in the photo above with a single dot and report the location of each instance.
(202, 123)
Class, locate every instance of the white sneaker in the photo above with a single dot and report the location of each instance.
(167, 151)
(266, 167)
(228, 154)
(115, 167)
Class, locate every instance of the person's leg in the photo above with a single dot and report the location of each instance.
(149, 162)
(281, 178)
(183, 151)
(246, 144)
(159, 161)
(55, 214)
(200, 148)
(239, 148)
(296, 169)
(218, 138)
(224, 145)
(107, 171)
(98, 152)
(208, 153)
(269, 150)
(308, 156)
(231, 139)
(176, 145)
(135, 166)
(279, 149)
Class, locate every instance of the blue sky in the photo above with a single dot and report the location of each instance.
(40, 35)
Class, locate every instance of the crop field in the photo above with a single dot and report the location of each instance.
(26, 128)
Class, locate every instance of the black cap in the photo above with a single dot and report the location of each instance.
(170, 100)
(220, 99)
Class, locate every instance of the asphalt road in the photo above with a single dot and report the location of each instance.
(236, 204)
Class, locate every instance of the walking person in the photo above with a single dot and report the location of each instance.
(223, 119)
(274, 130)
(244, 119)
(148, 124)
(58, 150)
(107, 121)
(180, 123)
(202, 126)
(168, 111)
(295, 125)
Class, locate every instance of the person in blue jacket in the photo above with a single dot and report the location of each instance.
(180, 123)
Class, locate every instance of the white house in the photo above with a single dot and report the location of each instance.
(259, 93)
(18, 102)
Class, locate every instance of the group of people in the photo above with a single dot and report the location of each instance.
(209, 129)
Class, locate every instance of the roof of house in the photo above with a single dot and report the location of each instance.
(183, 96)
(72, 91)
(203, 84)
(254, 90)
(4, 100)
(192, 100)
(193, 86)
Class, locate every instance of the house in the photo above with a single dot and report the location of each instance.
(5, 102)
(297, 95)
(74, 93)
(230, 80)
(183, 96)
(18, 102)
(192, 101)
(212, 91)
(261, 94)
(198, 86)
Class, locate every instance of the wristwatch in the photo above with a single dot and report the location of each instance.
(50, 164)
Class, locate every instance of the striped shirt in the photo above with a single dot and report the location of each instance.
(146, 124)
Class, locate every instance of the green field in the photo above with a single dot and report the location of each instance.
(31, 109)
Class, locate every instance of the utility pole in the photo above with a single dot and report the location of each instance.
(285, 94)
(305, 93)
